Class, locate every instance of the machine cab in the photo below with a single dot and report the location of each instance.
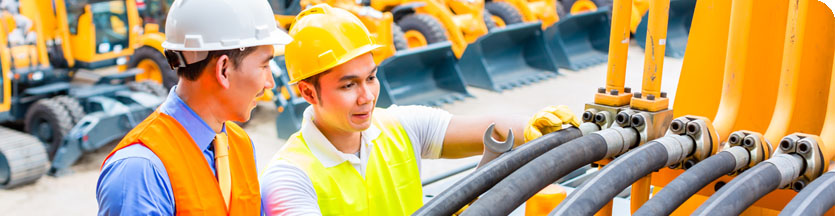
(101, 31)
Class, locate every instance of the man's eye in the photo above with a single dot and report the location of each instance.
(372, 78)
(349, 85)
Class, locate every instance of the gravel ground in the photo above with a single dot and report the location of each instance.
(74, 194)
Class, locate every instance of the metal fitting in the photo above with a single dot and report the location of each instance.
(757, 147)
(588, 115)
(601, 90)
(749, 142)
(798, 185)
(601, 118)
(627, 90)
(618, 140)
(587, 127)
(787, 143)
(614, 92)
(677, 126)
(636, 95)
(678, 147)
(663, 94)
(808, 148)
(608, 113)
(789, 166)
(623, 119)
(650, 97)
(741, 157)
(638, 121)
(735, 138)
(701, 131)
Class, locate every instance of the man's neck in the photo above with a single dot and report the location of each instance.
(205, 107)
(345, 141)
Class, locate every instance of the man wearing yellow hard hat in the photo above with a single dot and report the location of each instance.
(350, 158)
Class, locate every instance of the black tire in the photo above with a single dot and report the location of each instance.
(155, 88)
(398, 38)
(169, 77)
(428, 26)
(488, 21)
(48, 121)
(23, 159)
(72, 106)
(509, 14)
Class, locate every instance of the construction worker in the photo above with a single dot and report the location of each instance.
(188, 157)
(350, 158)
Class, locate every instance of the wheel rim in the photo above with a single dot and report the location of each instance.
(498, 20)
(415, 39)
(151, 71)
(582, 6)
(43, 131)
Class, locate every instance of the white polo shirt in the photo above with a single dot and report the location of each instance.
(287, 190)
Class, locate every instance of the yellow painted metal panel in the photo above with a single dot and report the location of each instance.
(700, 81)
(752, 66)
(807, 65)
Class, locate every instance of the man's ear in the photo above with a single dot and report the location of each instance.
(221, 72)
(308, 92)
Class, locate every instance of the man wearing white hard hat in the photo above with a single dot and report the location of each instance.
(190, 157)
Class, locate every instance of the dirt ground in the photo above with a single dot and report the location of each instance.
(74, 194)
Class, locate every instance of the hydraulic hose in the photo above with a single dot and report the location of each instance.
(815, 199)
(694, 179)
(526, 181)
(465, 190)
(614, 178)
(751, 185)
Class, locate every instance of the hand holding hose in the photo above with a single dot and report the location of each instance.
(548, 120)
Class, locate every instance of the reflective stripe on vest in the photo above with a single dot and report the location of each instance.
(391, 185)
(195, 187)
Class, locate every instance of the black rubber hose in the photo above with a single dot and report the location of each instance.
(612, 179)
(688, 183)
(465, 190)
(744, 190)
(526, 181)
(815, 199)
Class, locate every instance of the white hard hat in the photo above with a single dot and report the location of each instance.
(199, 26)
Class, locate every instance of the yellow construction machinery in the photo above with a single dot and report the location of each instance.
(752, 124)
(45, 91)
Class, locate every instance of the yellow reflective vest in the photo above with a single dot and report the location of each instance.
(391, 185)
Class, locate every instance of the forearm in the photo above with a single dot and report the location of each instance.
(464, 136)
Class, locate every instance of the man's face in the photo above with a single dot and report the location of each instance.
(348, 94)
(247, 82)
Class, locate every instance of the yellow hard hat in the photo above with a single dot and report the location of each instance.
(325, 37)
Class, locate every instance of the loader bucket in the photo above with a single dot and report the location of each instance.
(507, 58)
(289, 118)
(581, 40)
(423, 76)
(678, 28)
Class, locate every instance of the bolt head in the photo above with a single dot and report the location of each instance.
(614, 92)
(627, 90)
(601, 90)
(650, 97)
(636, 95)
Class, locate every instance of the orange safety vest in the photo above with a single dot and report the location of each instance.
(195, 187)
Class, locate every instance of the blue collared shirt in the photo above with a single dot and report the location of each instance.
(133, 181)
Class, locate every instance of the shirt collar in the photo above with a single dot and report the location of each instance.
(200, 132)
(322, 148)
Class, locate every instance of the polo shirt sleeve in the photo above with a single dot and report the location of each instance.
(134, 182)
(426, 127)
(287, 190)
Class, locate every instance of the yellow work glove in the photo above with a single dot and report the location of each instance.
(548, 120)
